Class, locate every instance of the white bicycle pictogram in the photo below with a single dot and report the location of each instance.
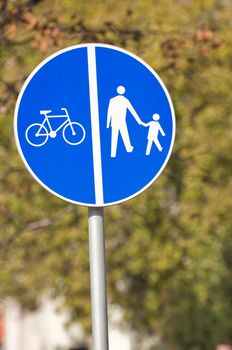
(37, 134)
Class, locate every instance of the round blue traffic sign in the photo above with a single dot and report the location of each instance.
(94, 124)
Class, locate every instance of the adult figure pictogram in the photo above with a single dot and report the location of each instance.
(116, 119)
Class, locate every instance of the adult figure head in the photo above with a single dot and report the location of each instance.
(121, 90)
(117, 119)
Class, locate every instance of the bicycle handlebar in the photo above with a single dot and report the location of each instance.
(65, 109)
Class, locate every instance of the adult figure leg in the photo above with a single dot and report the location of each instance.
(126, 139)
(114, 141)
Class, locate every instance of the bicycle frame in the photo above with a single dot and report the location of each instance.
(46, 120)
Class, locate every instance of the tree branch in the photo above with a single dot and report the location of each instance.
(36, 225)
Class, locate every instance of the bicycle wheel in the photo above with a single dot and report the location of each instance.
(74, 133)
(36, 135)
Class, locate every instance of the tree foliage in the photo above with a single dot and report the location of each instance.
(169, 250)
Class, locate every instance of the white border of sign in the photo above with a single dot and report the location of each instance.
(87, 46)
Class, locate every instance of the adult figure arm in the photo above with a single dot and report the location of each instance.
(134, 113)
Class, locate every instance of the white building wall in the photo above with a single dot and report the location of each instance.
(45, 329)
(118, 339)
(40, 330)
(12, 322)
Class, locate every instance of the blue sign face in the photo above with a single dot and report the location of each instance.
(94, 125)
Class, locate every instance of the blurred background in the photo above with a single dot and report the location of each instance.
(169, 251)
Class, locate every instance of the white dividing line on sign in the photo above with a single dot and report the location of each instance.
(94, 110)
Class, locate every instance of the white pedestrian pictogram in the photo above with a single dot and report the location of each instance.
(153, 133)
(37, 134)
(116, 119)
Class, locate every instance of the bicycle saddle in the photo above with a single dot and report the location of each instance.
(45, 112)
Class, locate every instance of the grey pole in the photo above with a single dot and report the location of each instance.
(98, 279)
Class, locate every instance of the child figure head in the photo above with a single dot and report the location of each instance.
(156, 116)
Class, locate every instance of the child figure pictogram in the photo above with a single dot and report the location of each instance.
(153, 133)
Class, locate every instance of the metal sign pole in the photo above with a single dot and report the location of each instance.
(98, 279)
